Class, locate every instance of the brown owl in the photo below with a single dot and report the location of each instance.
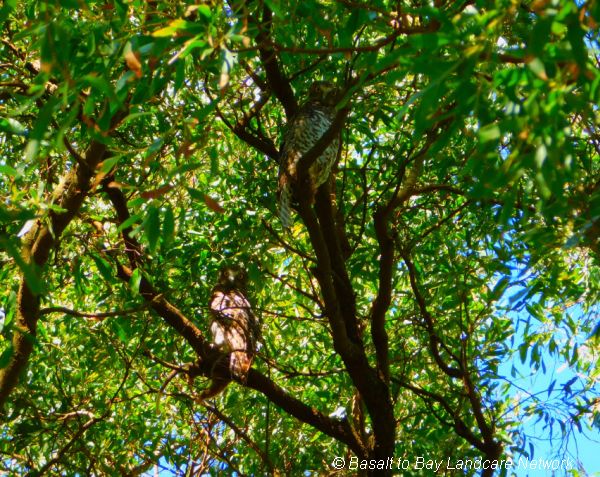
(304, 130)
(235, 330)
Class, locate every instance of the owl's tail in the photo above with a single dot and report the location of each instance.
(219, 379)
(216, 387)
(240, 364)
(285, 205)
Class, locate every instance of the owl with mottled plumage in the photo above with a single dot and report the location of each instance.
(304, 130)
(234, 328)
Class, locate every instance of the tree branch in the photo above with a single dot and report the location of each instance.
(341, 280)
(434, 340)
(404, 189)
(37, 244)
(278, 82)
(81, 314)
(338, 429)
(242, 434)
(170, 314)
(240, 128)
(373, 390)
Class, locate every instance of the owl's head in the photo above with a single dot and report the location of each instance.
(323, 92)
(233, 276)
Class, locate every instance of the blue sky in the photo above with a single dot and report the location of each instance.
(581, 446)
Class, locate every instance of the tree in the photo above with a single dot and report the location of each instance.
(140, 153)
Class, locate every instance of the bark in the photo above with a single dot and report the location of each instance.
(36, 247)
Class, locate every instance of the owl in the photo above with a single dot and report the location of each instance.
(234, 328)
(303, 131)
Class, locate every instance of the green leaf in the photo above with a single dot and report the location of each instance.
(500, 288)
(8, 171)
(541, 154)
(490, 132)
(121, 333)
(351, 26)
(538, 68)
(103, 267)
(42, 331)
(135, 280)
(172, 28)
(12, 126)
(551, 387)
(6, 356)
(43, 120)
(152, 228)
(195, 194)
(543, 185)
(275, 7)
(523, 352)
(129, 222)
(109, 163)
(168, 228)
(203, 10)
(70, 4)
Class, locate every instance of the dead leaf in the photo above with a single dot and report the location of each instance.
(99, 226)
(153, 194)
(133, 63)
(186, 149)
(213, 205)
(116, 185)
(45, 67)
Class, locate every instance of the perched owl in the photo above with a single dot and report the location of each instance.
(234, 329)
(304, 130)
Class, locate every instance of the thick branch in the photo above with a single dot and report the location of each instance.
(338, 298)
(341, 280)
(37, 244)
(241, 130)
(324, 275)
(384, 293)
(169, 313)
(373, 390)
(278, 82)
(262, 144)
(404, 189)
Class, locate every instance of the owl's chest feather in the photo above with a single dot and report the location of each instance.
(303, 133)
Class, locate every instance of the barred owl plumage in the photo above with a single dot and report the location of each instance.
(304, 130)
(235, 329)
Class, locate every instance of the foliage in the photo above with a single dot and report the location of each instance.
(456, 247)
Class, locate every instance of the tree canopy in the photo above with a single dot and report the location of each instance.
(454, 250)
